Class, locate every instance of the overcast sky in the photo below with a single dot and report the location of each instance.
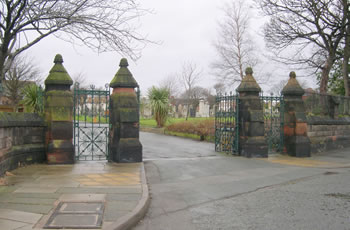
(186, 30)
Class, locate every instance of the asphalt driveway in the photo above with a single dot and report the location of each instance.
(193, 187)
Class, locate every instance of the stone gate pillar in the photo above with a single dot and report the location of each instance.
(124, 140)
(252, 142)
(59, 115)
(296, 141)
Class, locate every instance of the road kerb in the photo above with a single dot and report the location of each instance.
(132, 218)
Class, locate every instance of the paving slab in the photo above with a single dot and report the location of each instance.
(10, 224)
(32, 208)
(26, 227)
(116, 214)
(37, 195)
(74, 196)
(123, 197)
(83, 197)
(25, 217)
(105, 190)
(36, 190)
(12, 198)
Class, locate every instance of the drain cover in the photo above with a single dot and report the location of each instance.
(76, 215)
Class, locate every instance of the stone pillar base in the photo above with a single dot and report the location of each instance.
(298, 146)
(60, 152)
(129, 150)
(255, 147)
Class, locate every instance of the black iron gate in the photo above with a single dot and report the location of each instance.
(91, 123)
(226, 123)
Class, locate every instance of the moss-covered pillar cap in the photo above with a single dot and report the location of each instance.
(249, 83)
(293, 87)
(123, 78)
(58, 74)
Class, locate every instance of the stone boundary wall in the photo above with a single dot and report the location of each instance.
(326, 133)
(22, 140)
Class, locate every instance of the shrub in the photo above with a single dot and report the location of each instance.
(203, 128)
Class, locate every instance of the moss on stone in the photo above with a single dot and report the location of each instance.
(59, 100)
(58, 74)
(8, 119)
(123, 78)
(293, 87)
(59, 93)
(124, 99)
(61, 114)
(249, 83)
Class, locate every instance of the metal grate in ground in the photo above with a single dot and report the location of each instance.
(76, 215)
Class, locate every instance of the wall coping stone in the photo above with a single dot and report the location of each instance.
(20, 120)
(315, 120)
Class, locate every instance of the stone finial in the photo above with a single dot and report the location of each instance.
(58, 74)
(249, 71)
(124, 62)
(249, 83)
(123, 78)
(293, 87)
(58, 59)
(292, 75)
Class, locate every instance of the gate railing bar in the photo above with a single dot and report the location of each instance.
(91, 142)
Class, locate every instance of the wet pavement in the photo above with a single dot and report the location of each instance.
(84, 195)
(192, 187)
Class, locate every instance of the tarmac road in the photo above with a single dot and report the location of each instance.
(192, 187)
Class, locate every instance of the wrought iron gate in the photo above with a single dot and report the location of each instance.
(226, 123)
(273, 108)
(91, 123)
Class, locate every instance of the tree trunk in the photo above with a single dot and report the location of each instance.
(325, 74)
(2, 66)
(346, 61)
(188, 111)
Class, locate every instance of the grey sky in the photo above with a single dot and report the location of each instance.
(186, 30)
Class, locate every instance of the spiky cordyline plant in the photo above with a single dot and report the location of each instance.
(159, 99)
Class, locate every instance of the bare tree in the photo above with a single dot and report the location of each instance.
(197, 93)
(171, 83)
(80, 79)
(220, 88)
(314, 28)
(234, 46)
(189, 77)
(21, 74)
(277, 88)
(101, 25)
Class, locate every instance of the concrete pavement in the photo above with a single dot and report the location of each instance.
(84, 195)
(192, 187)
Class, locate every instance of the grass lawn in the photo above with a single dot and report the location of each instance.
(151, 123)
